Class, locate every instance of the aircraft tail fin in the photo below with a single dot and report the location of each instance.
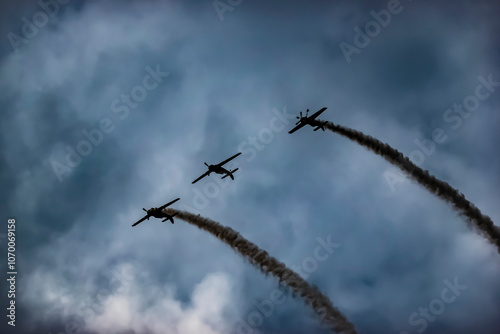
(319, 127)
(230, 174)
(171, 218)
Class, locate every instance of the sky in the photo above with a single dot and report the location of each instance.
(109, 107)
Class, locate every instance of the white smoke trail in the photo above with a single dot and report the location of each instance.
(479, 222)
(269, 265)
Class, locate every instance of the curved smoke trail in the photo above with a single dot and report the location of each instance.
(481, 223)
(269, 265)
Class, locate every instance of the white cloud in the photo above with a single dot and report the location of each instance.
(210, 299)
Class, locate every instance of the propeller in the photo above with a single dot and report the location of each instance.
(145, 210)
(299, 118)
(206, 164)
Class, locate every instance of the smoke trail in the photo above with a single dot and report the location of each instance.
(269, 265)
(479, 222)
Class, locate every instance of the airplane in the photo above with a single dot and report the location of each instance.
(158, 213)
(219, 169)
(311, 120)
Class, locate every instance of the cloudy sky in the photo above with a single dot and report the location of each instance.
(109, 107)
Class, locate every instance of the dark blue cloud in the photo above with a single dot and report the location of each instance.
(397, 247)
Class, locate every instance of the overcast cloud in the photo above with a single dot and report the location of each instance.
(210, 88)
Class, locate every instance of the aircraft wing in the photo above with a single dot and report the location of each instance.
(317, 113)
(141, 220)
(301, 125)
(227, 160)
(164, 206)
(201, 177)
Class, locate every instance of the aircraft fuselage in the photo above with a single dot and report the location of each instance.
(154, 212)
(306, 120)
(217, 169)
(314, 123)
